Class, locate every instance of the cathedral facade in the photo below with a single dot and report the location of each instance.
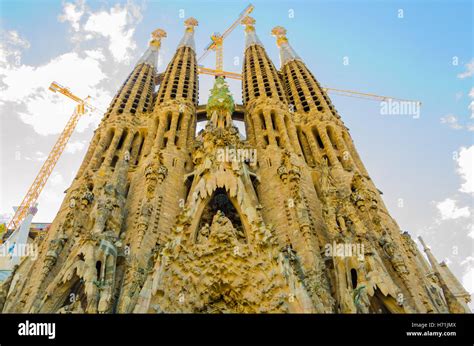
(161, 219)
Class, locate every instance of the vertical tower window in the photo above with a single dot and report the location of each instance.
(168, 121)
(114, 161)
(332, 137)
(262, 120)
(122, 139)
(272, 117)
(318, 138)
(354, 278)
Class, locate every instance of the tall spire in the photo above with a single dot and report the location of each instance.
(136, 92)
(180, 79)
(287, 53)
(431, 258)
(251, 37)
(150, 56)
(188, 38)
(453, 303)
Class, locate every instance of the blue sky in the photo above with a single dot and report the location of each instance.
(426, 55)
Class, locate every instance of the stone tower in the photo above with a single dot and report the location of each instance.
(161, 219)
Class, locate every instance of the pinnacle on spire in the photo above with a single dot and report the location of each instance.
(150, 56)
(422, 242)
(188, 38)
(287, 53)
(251, 37)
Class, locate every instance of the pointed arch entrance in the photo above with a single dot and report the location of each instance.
(229, 206)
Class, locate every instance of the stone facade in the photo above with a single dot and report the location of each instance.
(159, 219)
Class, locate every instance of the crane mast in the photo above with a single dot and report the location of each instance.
(40, 181)
(217, 41)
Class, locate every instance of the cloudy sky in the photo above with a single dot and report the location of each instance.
(413, 49)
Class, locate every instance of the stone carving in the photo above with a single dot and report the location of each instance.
(436, 293)
(361, 299)
(55, 247)
(392, 252)
(155, 173)
(143, 220)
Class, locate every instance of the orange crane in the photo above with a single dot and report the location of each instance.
(40, 181)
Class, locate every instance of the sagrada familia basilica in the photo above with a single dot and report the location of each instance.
(158, 220)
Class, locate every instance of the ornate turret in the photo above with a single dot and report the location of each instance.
(268, 119)
(173, 116)
(287, 53)
(150, 56)
(188, 38)
(251, 37)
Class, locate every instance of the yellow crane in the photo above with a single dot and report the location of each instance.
(216, 45)
(367, 96)
(340, 92)
(40, 181)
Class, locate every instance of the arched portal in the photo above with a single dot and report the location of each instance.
(220, 201)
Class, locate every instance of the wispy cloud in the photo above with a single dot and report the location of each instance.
(468, 277)
(450, 211)
(74, 147)
(452, 121)
(11, 46)
(465, 169)
(72, 13)
(469, 70)
(118, 26)
(37, 156)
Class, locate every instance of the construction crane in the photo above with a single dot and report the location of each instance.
(217, 45)
(217, 41)
(340, 92)
(367, 96)
(40, 181)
